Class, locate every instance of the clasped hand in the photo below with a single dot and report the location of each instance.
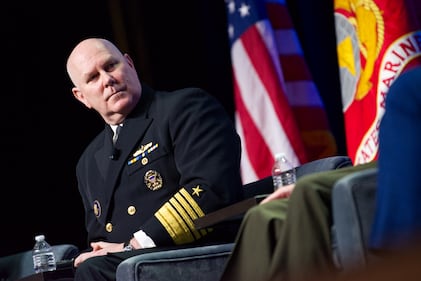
(99, 249)
(282, 192)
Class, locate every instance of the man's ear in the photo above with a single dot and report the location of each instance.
(80, 97)
(129, 60)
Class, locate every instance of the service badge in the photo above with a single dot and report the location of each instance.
(153, 180)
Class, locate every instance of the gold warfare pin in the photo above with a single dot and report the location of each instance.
(142, 149)
(153, 180)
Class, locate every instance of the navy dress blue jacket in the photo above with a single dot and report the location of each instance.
(177, 158)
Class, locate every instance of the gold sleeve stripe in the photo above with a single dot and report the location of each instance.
(186, 206)
(192, 202)
(159, 215)
(197, 209)
(174, 224)
(187, 219)
(179, 215)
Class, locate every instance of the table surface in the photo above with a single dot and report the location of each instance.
(59, 274)
(228, 213)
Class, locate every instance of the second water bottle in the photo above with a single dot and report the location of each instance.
(283, 172)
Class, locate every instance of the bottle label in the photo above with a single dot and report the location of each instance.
(44, 262)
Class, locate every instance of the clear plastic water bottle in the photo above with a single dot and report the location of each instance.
(43, 255)
(283, 172)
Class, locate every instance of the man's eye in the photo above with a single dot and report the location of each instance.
(92, 77)
(111, 66)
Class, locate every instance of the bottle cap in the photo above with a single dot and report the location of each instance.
(39, 237)
(279, 155)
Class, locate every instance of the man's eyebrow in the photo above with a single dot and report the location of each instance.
(87, 75)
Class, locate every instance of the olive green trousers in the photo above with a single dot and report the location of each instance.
(288, 239)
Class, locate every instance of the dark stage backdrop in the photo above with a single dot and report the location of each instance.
(44, 129)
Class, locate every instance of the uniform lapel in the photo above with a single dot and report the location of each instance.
(102, 156)
(131, 134)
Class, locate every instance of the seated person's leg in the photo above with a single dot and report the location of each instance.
(104, 268)
(305, 246)
(256, 242)
(285, 237)
(98, 268)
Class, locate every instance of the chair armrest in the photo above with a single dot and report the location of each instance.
(204, 263)
(65, 252)
(19, 265)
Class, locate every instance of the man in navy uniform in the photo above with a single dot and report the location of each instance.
(162, 160)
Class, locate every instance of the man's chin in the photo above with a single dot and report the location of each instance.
(121, 104)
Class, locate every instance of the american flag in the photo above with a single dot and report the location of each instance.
(277, 105)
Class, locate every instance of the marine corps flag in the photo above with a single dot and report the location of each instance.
(376, 41)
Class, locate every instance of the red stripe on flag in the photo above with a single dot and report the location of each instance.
(264, 66)
(255, 145)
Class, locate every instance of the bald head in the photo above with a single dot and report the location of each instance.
(104, 79)
(83, 52)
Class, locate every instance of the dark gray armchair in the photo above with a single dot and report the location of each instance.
(20, 265)
(353, 205)
(206, 263)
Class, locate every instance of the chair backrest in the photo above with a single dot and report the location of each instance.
(20, 265)
(353, 206)
(265, 185)
(323, 164)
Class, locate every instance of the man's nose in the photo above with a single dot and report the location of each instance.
(109, 80)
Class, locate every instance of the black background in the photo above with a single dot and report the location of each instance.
(44, 129)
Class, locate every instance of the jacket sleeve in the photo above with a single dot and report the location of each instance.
(207, 153)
